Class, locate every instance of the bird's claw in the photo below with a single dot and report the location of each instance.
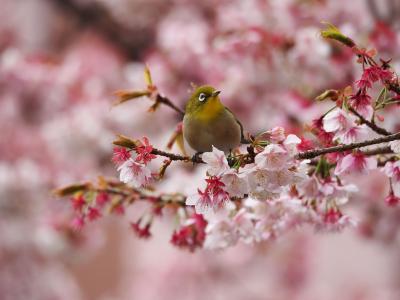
(197, 157)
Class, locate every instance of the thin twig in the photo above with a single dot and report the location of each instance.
(177, 157)
(98, 17)
(381, 150)
(169, 103)
(395, 88)
(373, 126)
(342, 148)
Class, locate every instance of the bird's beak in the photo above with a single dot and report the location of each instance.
(216, 93)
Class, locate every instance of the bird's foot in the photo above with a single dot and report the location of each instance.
(231, 158)
(197, 157)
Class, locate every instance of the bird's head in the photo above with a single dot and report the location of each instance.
(204, 102)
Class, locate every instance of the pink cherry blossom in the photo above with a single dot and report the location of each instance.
(214, 196)
(392, 170)
(93, 214)
(361, 102)
(355, 162)
(337, 120)
(395, 146)
(334, 221)
(273, 157)
(141, 231)
(143, 151)
(221, 231)
(120, 155)
(78, 202)
(135, 173)
(392, 199)
(275, 135)
(216, 162)
(191, 234)
(352, 134)
(78, 222)
(101, 199)
(375, 73)
(235, 183)
(291, 143)
(260, 184)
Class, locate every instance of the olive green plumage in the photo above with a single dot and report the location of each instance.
(207, 122)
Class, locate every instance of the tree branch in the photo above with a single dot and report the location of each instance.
(381, 150)
(95, 15)
(177, 157)
(249, 157)
(342, 148)
(395, 88)
(169, 103)
(373, 126)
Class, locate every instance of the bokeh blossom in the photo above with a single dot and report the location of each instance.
(270, 211)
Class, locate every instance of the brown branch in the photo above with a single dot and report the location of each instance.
(169, 103)
(373, 126)
(177, 157)
(303, 155)
(96, 16)
(249, 157)
(377, 151)
(395, 88)
(342, 148)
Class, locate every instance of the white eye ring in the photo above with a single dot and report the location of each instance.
(202, 97)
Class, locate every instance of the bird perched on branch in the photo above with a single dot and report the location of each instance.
(207, 122)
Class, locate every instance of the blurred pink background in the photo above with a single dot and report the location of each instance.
(60, 62)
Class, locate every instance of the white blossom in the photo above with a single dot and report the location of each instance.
(135, 173)
(216, 162)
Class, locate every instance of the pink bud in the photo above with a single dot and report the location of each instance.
(392, 200)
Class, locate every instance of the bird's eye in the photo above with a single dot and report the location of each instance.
(202, 97)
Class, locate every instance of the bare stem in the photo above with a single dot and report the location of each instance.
(342, 148)
(373, 126)
(177, 157)
(169, 103)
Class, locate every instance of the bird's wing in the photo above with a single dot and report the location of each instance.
(243, 140)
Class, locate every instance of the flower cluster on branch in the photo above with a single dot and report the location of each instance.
(277, 182)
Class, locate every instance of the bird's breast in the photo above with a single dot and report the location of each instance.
(222, 131)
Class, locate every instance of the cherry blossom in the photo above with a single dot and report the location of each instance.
(273, 157)
(275, 135)
(342, 124)
(135, 173)
(270, 61)
(216, 161)
(291, 143)
(353, 134)
(120, 155)
(355, 162)
(214, 196)
(395, 146)
(191, 234)
(141, 231)
(392, 199)
(362, 103)
(143, 151)
(235, 183)
(392, 170)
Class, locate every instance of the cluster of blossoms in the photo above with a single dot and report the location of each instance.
(276, 192)
(248, 198)
(56, 83)
(135, 171)
(277, 183)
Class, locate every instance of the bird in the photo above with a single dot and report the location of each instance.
(207, 122)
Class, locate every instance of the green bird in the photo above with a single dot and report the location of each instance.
(207, 122)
